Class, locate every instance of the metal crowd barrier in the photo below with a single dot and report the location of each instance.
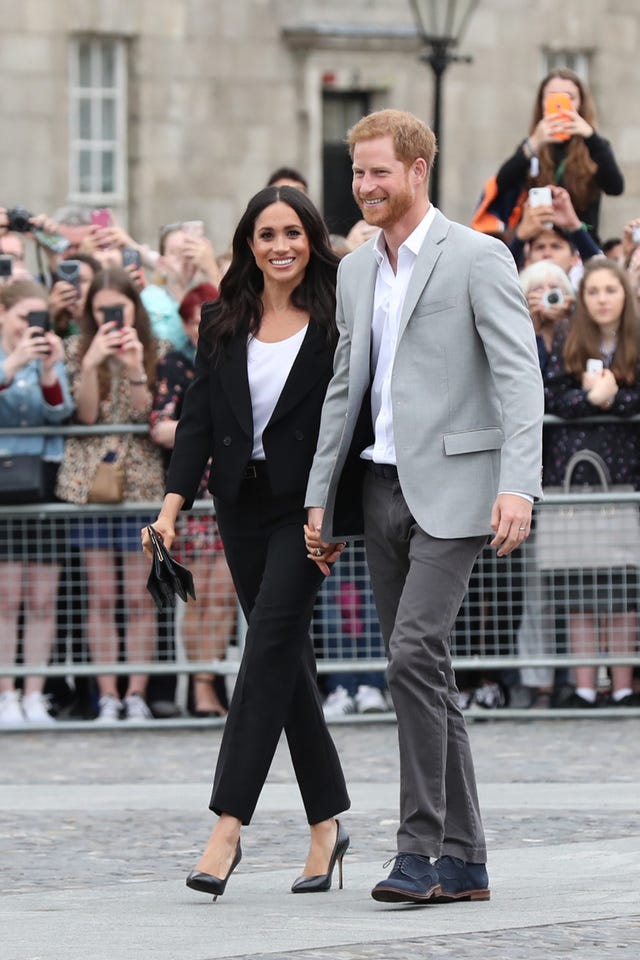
(515, 617)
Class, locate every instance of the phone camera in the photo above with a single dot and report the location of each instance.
(553, 297)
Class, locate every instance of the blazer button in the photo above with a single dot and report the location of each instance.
(299, 435)
(227, 441)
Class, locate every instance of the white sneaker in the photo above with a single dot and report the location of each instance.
(135, 708)
(10, 710)
(109, 709)
(36, 708)
(370, 700)
(489, 696)
(338, 704)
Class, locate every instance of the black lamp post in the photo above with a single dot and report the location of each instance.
(440, 25)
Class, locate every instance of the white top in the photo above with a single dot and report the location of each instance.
(388, 301)
(268, 366)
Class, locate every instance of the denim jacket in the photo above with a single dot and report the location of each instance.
(22, 404)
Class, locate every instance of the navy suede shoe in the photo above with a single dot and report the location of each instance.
(414, 879)
(461, 881)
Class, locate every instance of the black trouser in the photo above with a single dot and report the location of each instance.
(276, 688)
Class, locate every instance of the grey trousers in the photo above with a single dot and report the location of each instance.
(419, 583)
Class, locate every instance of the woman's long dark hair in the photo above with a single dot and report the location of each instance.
(239, 306)
(118, 279)
(583, 339)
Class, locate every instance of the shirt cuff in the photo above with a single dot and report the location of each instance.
(515, 493)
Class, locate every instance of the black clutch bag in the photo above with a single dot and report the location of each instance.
(167, 578)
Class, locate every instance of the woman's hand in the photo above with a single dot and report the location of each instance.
(317, 550)
(165, 525)
(576, 125)
(131, 352)
(55, 355)
(628, 243)
(601, 388)
(106, 343)
(199, 253)
(32, 345)
(63, 296)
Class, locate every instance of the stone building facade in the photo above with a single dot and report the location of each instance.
(176, 109)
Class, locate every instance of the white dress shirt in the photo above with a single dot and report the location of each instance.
(388, 301)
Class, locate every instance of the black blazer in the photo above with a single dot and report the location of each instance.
(217, 422)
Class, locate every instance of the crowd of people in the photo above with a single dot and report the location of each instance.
(97, 328)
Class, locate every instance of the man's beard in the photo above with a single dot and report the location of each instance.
(390, 212)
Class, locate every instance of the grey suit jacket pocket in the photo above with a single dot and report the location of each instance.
(473, 441)
(428, 308)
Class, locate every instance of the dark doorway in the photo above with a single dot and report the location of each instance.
(340, 110)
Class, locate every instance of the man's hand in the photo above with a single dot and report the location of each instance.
(511, 521)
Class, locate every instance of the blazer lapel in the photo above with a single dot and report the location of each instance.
(427, 258)
(313, 361)
(234, 380)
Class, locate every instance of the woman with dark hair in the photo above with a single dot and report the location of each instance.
(112, 368)
(207, 624)
(601, 603)
(563, 148)
(263, 364)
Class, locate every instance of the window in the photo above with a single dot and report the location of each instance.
(98, 112)
(576, 60)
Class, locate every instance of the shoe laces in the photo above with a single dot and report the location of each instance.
(400, 859)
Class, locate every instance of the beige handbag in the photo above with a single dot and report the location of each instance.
(108, 482)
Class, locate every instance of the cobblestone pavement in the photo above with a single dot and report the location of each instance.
(44, 853)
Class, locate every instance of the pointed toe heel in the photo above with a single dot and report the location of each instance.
(207, 883)
(322, 882)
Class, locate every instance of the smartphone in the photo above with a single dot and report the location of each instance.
(52, 241)
(39, 318)
(195, 228)
(114, 315)
(558, 103)
(6, 265)
(131, 257)
(101, 217)
(69, 270)
(635, 234)
(540, 197)
(595, 366)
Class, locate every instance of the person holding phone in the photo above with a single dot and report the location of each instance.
(67, 296)
(112, 367)
(563, 148)
(34, 392)
(594, 370)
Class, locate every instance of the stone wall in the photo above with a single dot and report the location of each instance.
(222, 91)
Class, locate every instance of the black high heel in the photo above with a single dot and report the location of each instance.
(207, 883)
(322, 881)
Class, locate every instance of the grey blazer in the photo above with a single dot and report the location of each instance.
(466, 388)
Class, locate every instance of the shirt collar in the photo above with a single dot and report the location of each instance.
(413, 242)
